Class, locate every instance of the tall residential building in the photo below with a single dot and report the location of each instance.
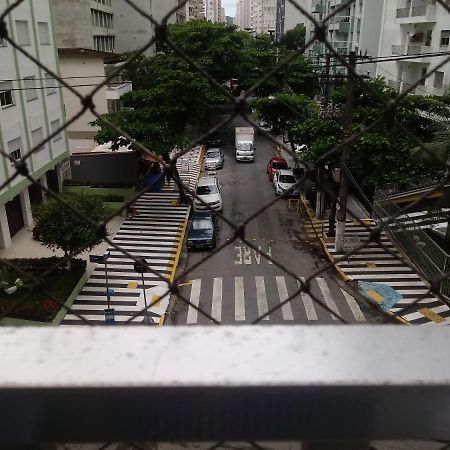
(264, 14)
(213, 10)
(196, 9)
(288, 16)
(135, 31)
(243, 14)
(31, 109)
(355, 28)
(415, 28)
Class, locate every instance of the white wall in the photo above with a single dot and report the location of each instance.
(91, 67)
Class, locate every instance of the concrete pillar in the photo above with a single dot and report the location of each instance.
(5, 235)
(59, 176)
(43, 183)
(26, 209)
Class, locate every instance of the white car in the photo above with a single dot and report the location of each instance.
(283, 181)
(208, 190)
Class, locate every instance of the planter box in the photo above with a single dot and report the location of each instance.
(7, 321)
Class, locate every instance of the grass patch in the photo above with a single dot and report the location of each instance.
(39, 306)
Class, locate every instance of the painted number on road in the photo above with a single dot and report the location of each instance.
(247, 255)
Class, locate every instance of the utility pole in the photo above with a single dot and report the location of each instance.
(348, 124)
(320, 195)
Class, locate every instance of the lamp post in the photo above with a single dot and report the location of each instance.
(109, 312)
(140, 266)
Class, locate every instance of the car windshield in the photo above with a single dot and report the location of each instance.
(213, 155)
(279, 165)
(289, 179)
(207, 190)
(201, 224)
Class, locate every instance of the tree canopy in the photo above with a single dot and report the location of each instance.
(294, 38)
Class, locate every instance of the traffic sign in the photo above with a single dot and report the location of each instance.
(109, 317)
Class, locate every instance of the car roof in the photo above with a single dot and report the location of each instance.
(285, 172)
(206, 181)
(278, 159)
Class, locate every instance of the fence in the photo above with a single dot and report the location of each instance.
(230, 387)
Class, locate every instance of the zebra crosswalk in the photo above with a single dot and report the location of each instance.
(154, 233)
(380, 262)
(236, 299)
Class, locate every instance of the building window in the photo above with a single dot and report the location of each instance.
(23, 32)
(54, 125)
(423, 73)
(37, 138)
(50, 84)
(445, 38)
(30, 88)
(14, 149)
(6, 94)
(438, 79)
(2, 42)
(44, 35)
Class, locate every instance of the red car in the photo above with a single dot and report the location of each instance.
(276, 164)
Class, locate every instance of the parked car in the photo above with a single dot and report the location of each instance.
(214, 159)
(214, 141)
(283, 181)
(202, 231)
(275, 164)
(208, 190)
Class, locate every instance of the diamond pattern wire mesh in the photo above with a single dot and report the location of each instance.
(240, 108)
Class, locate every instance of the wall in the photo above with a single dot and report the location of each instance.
(92, 67)
(73, 24)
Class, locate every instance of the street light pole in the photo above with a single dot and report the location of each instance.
(109, 312)
(140, 266)
(341, 215)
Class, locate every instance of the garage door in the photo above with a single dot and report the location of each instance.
(15, 216)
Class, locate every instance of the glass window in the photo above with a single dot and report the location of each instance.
(289, 179)
(14, 149)
(30, 88)
(201, 224)
(37, 138)
(279, 165)
(50, 84)
(54, 125)
(445, 38)
(438, 79)
(207, 190)
(6, 94)
(23, 32)
(44, 35)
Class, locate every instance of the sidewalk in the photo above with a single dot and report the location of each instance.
(155, 233)
(374, 263)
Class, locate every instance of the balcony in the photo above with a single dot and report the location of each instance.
(340, 24)
(418, 12)
(116, 91)
(394, 84)
(413, 49)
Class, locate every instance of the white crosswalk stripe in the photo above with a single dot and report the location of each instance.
(375, 263)
(251, 296)
(153, 233)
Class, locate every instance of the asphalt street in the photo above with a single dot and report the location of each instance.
(238, 285)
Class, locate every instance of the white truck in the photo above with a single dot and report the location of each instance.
(245, 143)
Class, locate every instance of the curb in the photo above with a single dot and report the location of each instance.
(313, 220)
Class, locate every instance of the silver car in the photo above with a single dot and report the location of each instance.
(214, 159)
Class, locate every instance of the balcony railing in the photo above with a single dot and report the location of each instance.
(418, 11)
(398, 49)
(116, 91)
(402, 12)
(411, 49)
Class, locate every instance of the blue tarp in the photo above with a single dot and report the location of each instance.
(389, 294)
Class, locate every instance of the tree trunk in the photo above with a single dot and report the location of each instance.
(69, 261)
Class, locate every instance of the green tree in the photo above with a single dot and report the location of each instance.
(294, 38)
(61, 228)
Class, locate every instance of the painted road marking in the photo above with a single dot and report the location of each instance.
(247, 255)
(261, 297)
(216, 309)
(356, 310)
(286, 309)
(328, 297)
(239, 300)
(430, 314)
(308, 303)
(194, 300)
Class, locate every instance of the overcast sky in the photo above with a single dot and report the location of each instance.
(230, 7)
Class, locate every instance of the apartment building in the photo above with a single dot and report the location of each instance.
(243, 14)
(213, 10)
(355, 28)
(196, 9)
(264, 13)
(288, 16)
(419, 29)
(31, 109)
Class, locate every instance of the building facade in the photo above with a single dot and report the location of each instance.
(415, 28)
(31, 109)
(243, 14)
(196, 9)
(288, 16)
(264, 13)
(213, 10)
